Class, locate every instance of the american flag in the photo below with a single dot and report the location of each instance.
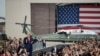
(73, 16)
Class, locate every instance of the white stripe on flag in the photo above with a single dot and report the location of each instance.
(88, 14)
(87, 25)
(89, 20)
(89, 9)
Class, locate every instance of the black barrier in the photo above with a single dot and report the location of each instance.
(49, 49)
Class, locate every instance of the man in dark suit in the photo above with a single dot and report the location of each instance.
(44, 43)
(28, 41)
(54, 49)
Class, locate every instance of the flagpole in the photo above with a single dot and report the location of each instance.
(56, 17)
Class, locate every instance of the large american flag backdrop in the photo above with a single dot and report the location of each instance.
(73, 16)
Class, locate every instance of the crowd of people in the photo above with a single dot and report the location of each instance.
(89, 47)
(23, 47)
(11, 47)
(18, 47)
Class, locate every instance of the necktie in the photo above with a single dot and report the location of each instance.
(28, 40)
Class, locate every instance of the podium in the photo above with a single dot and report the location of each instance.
(37, 46)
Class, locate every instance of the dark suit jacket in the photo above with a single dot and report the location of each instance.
(53, 49)
(28, 45)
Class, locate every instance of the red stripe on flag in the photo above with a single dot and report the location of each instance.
(93, 12)
(90, 17)
(75, 27)
(89, 22)
(89, 6)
